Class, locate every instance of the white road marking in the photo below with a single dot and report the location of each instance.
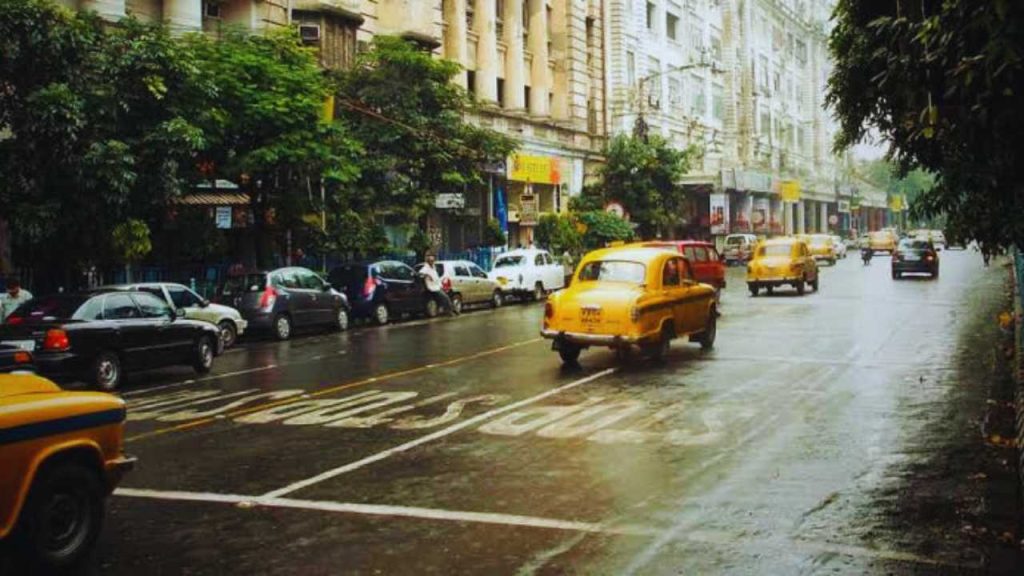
(132, 393)
(434, 436)
(717, 538)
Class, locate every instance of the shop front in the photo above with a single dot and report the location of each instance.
(533, 186)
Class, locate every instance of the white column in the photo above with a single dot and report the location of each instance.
(514, 74)
(455, 35)
(540, 75)
(824, 217)
(183, 15)
(788, 225)
(108, 9)
(801, 218)
(486, 52)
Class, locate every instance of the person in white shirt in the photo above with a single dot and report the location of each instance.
(433, 282)
(14, 297)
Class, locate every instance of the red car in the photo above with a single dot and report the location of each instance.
(707, 265)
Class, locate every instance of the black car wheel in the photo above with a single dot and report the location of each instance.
(62, 517)
(341, 320)
(457, 303)
(496, 299)
(538, 292)
(106, 371)
(228, 334)
(801, 286)
(282, 327)
(381, 314)
(754, 289)
(659, 349)
(204, 352)
(570, 353)
(706, 339)
(430, 308)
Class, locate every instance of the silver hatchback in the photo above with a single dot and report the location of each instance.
(467, 284)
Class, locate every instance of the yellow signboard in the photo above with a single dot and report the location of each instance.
(896, 202)
(533, 169)
(790, 190)
(327, 114)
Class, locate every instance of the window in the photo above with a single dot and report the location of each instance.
(499, 18)
(151, 306)
(630, 68)
(716, 47)
(470, 12)
(400, 271)
(119, 307)
(461, 271)
(309, 280)
(526, 96)
(211, 9)
(764, 127)
(670, 275)
(91, 310)
(671, 26)
(689, 253)
(182, 297)
(654, 84)
(718, 102)
(613, 271)
(501, 92)
(286, 279)
(547, 259)
(526, 20)
(675, 93)
(699, 98)
(471, 82)
(508, 261)
(538, 260)
(700, 254)
(650, 15)
(712, 255)
(477, 272)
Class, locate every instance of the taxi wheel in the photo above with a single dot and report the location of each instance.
(769, 290)
(658, 350)
(754, 289)
(496, 300)
(341, 320)
(282, 327)
(228, 334)
(801, 287)
(62, 517)
(570, 353)
(707, 337)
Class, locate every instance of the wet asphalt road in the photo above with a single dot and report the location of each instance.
(461, 446)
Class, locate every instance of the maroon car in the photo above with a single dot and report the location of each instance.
(707, 265)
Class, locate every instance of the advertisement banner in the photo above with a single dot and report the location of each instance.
(501, 208)
(223, 217)
(533, 169)
(719, 213)
(790, 191)
(528, 210)
(759, 216)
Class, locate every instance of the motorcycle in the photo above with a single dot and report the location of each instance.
(866, 255)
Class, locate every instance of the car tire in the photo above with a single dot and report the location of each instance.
(457, 303)
(769, 290)
(706, 339)
(228, 334)
(754, 289)
(496, 299)
(569, 353)
(801, 287)
(202, 360)
(896, 275)
(538, 292)
(107, 373)
(381, 314)
(282, 327)
(659, 349)
(341, 319)
(832, 262)
(430, 308)
(816, 283)
(61, 519)
(935, 275)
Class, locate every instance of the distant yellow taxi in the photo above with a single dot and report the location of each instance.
(61, 455)
(822, 247)
(630, 296)
(882, 241)
(782, 262)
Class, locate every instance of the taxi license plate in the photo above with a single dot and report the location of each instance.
(27, 345)
(502, 281)
(590, 315)
(911, 257)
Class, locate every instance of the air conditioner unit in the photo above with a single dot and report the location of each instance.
(212, 9)
(309, 33)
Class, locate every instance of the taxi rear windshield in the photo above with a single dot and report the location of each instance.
(775, 250)
(613, 271)
(508, 261)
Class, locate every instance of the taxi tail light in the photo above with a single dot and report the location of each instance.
(634, 314)
(56, 339)
(268, 298)
(446, 284)
(549, 310)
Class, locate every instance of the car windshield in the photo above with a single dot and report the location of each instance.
(734, 240)
(613, 271)
(508, 261)
(243, 284)
(775, 250)
(49, 308)
(819, 240)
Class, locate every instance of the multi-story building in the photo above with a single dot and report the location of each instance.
(744, 82)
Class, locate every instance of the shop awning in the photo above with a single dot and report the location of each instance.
(213, 199)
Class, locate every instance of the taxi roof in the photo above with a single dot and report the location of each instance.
(781, 240)
(631, 253)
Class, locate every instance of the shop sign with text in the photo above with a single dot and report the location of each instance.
(533, 169)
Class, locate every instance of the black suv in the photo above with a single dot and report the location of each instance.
(285, 299)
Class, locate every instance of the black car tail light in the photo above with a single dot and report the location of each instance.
(56, 339)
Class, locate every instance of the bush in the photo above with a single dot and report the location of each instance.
(603, 228)
(494, 235)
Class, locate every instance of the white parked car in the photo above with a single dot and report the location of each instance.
(467, 284)
(228, 320)
(527, 272)
(840, 246)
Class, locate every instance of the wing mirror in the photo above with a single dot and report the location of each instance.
(327, 287)
(179, 313)
(204, 303)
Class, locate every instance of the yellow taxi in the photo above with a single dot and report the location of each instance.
(822, 247)
(781, 262)
(61, 455)
(627, 297)
(882, 241)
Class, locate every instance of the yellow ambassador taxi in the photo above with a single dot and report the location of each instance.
(780, 262)
(821, 246)
(882, 241)
(61, 455)
(630, 296)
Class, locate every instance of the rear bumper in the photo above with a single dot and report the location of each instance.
(775, 281)
(923, 267)
(62, 365)
(258, 320)
(583, 339)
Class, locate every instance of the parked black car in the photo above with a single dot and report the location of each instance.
(14, 359)
(99, 336)
(383, 290)
(915, 256)
(285, 299)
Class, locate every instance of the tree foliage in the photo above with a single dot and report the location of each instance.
(943, 83)
(601, 228)
(559, 233)
(643, 175)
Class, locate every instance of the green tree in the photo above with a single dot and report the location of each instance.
(943, 83)
(643, 175)
(494, 235)
(402, 105)
(602, 228)
(558, 234)
(130, 242)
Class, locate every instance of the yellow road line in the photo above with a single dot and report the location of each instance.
(331, 390)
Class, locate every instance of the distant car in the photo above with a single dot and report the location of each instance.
(527, 272)
(882, 241)
(822, 247)
(840, 246)
(467, 284)
(14, 359)
(739, 248)
(62, 455)
(285, 299)
(99, 336)
(915, 256)
(626, 297)
(383, 290)
(779, 262)
(178, 296)
(705, 263)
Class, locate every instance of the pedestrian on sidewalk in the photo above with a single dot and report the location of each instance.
(14, 297)
(433, 282)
